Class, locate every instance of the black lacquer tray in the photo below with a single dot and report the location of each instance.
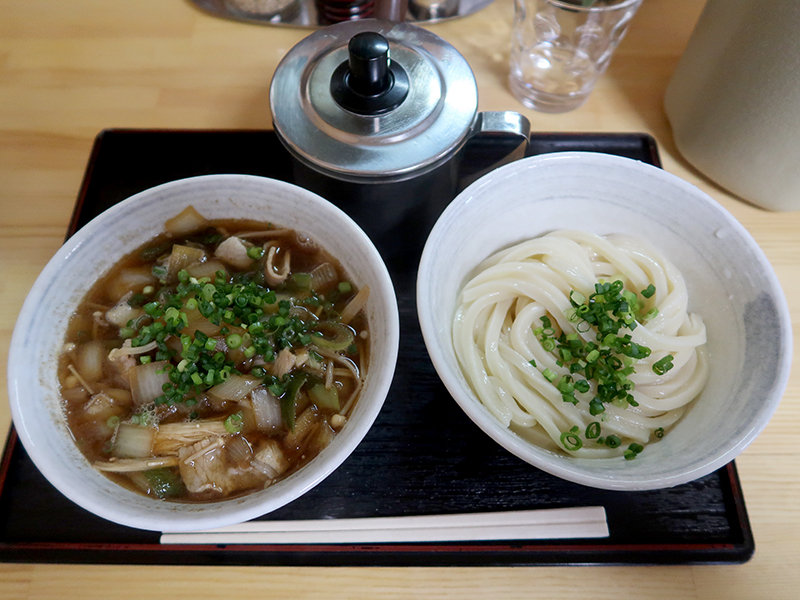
(422, 456)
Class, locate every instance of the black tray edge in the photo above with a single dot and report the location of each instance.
(513, 554)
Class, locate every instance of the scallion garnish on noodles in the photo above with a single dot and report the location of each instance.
(571, 440)
(632, 451)
(592, 430)
(663, 365)
(611, 311)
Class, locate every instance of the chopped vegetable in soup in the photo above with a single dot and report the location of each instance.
(218, 359)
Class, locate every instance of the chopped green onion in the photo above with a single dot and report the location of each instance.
(549, 375)
(236, 305)
(577, 298)
(608, 362)
(662, 366)
(592, 430)
(613, 441)
(596, 407)
(659, 433)
(565, 385)
(571, 441)
(569, 397)
(234, 423)
(582, 386)
(632, 451)
(208, 292)
(255, 252)
(648, 291)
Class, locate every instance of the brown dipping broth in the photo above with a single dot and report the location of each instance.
(97, 392)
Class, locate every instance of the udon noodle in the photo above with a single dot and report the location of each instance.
(581, 343)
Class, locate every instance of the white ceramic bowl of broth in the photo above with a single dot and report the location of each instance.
(730, 283)
(94, 250)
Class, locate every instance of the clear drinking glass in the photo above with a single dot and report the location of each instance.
(561, 47)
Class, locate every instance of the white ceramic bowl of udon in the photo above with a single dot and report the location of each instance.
(730, 281)
(93, 250)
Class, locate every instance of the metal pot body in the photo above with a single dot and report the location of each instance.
(376, 115)
(396, 215)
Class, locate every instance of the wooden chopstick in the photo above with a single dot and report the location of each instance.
(556, 523)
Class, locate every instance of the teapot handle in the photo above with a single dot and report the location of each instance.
(502, 135)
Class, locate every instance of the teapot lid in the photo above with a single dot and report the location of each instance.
(373, 100)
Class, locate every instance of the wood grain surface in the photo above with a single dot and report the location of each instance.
(71, 69)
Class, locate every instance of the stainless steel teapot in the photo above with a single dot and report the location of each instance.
(376, 116)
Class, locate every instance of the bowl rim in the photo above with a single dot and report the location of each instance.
(229, 511)
(562, 465)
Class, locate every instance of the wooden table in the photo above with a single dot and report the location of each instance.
(70, 69)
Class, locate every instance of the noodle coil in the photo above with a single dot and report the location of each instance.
(521, 291)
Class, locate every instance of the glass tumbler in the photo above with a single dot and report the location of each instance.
(560, 48)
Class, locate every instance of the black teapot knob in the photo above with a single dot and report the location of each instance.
(369, 83)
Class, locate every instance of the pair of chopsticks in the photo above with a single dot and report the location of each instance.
(555, 523)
